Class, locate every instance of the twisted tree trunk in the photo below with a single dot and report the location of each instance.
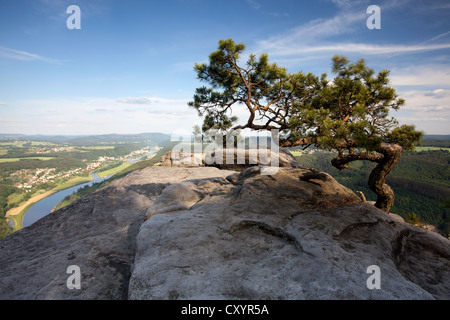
(377, 179)
(387, 157)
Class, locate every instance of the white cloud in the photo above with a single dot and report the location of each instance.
(362, 48)
(319, 38)
(421, 75)
(346, 4)
(427, 100)
(439, 93)
(300, 38)
(429, 110)
(90, 115)
(25, 56)
(419, 119)
(134, 100)
(2, 103)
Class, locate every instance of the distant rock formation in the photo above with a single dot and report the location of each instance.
(180, 159)
(205, 233)
(231, 159)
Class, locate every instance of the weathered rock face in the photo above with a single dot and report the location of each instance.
(295, 235)
(204, 233)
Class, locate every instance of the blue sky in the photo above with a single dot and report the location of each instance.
(129, 69)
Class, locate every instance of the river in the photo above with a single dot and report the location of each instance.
(43, 207)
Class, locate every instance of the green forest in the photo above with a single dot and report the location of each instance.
(421, 182)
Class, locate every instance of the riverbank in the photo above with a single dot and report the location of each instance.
(17, 214)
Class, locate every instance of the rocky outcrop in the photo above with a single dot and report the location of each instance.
(204, 233)
(295, 235)
(241, 159)
(231, 159)
(180, 159)
(97, 233)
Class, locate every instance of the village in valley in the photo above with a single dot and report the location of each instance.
(30, 167)
(27, 179)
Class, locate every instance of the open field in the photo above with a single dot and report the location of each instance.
(20, 144)
(297, 153)
(114, 170)
(99, 147)
(28, 158)
(430, 149)
(72, 182)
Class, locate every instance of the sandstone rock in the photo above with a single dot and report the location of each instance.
(231, 159)
(96, 233)
(295, 235)
(241, 159)
(180, 159)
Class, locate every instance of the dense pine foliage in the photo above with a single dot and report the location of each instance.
(421, 181)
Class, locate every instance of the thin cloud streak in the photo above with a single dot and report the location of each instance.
(25, 56)
(315, 30)
(144, 101)
(368, 49)
(317, 36)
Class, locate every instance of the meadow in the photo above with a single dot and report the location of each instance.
(4, 160)
(114, 170)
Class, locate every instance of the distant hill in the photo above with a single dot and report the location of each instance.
(436, 140)
(441, 137)
(37, 137)
(155, 137)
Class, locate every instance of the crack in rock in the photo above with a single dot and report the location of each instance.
(356, 226)
(275, 232)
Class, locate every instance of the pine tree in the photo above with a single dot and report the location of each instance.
(349, 114)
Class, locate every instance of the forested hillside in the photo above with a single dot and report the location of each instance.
(421, 181)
